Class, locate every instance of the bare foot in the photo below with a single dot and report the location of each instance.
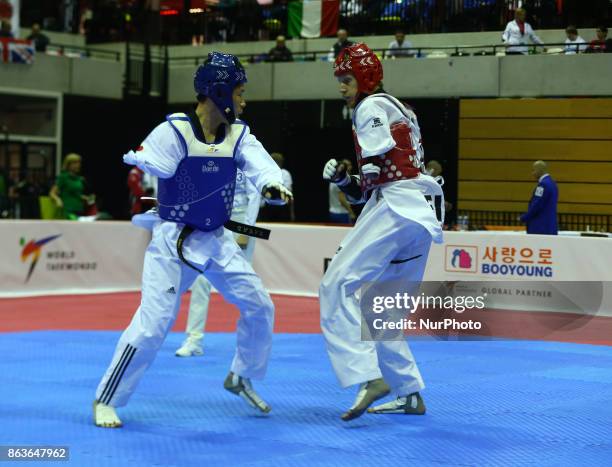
(105, 416)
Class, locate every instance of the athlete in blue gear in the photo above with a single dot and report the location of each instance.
(195, 156)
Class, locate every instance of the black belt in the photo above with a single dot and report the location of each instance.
(246, 229)
(237, 227)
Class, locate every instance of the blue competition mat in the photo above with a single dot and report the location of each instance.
(489, 403)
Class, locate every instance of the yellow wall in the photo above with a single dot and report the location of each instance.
(500, 138)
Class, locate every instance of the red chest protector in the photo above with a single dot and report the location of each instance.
(400, 163)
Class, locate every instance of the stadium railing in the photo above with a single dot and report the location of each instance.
(478, 220)
(556, 48)
(76, 51)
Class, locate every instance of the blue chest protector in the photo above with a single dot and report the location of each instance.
(200, 194)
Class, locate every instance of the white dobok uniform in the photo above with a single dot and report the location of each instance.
(396, 223)
(216, 253)
(246, 207)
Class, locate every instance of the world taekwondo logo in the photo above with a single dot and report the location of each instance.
(33, 249)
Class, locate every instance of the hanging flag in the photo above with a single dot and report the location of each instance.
(16, 51)
(313, 18)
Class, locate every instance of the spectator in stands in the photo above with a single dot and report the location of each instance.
(85, 21)
(400, 47)
(574, 43)
(28, 189)
(350, 8)
(340, 44)
(517, 33)
(6, 30)
(41, 41)
(398, 10)
(196, 22)
(69, 190)
(600, 44)
(541, 217)
(280, 52)
(340, 210)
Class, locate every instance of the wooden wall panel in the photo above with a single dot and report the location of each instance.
(520, 171)
(517, 191)
(499, 139)
(536, 128)
(536, 108)
(530, 150)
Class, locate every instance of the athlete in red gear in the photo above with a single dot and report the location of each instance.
(390, 241)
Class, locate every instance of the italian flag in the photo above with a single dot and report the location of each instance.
(313, 18)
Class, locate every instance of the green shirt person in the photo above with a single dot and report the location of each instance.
(68, 191)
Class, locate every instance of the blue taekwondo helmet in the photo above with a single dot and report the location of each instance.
(217, 78)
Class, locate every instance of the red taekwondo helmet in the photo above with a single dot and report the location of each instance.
(363, 63)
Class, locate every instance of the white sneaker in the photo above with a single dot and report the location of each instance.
(412, 404)
(368, 393)
(191, 347)
(242, 387)
(105, 416)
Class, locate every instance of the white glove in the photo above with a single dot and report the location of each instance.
(276, 194)
(146, 220)
(370, 170)
(331, 174)
(130, 158)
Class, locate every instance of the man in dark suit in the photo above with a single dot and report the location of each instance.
(541, 217)
(341, 43)
(280, 53)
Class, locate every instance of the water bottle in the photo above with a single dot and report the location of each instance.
(461, 223)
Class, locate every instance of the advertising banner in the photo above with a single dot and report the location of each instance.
(62, 257)
(515, 272)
